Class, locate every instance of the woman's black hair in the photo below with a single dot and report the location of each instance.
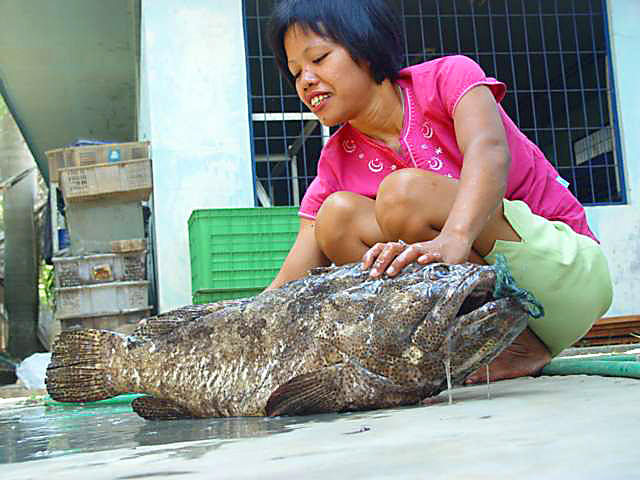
(368, 29)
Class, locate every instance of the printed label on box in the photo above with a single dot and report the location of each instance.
(114, 155)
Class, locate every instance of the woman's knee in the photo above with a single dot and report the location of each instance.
(410, 200)
(337, 207)
(346, 227)
(336, 217)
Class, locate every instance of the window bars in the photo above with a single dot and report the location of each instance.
(552, 54)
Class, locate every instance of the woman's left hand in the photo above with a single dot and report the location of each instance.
(392, 257)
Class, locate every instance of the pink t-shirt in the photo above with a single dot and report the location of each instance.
(351, 161)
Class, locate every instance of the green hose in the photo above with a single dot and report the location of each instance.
(605, 365)
(622, 357)
(120, 399)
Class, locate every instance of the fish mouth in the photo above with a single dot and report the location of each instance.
(480, 295)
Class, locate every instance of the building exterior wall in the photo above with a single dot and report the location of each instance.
(194, 110)
(618, 227)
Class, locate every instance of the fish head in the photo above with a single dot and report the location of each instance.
(471, 320)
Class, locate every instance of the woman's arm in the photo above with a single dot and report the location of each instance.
(483, 179)
(304, 255)
(482, 140)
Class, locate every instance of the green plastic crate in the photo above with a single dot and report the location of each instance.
(239, 248)
(211, 296)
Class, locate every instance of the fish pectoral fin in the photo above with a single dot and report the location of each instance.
(153, 408)
(313, 392)
(338, 388)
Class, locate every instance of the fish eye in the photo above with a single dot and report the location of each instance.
(439, 271)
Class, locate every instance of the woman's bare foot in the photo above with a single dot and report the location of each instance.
(526, 356)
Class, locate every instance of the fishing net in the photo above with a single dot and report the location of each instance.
(506, 287)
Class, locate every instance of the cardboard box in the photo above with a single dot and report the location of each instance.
(127, 180)
(86, 155)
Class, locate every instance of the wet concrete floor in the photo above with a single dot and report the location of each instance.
(564, 427)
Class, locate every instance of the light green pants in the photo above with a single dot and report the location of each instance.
(567, 272)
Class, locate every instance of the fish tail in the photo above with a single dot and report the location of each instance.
(78, 371)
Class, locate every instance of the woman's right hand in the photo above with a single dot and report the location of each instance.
(392, 257)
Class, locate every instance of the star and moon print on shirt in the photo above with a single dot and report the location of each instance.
(381, 159)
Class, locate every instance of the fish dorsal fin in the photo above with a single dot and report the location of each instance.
(320, 270)
(155, 327)
(167, 322)
(337, 388)
(152, 408)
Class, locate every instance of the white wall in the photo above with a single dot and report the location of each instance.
(194, 109)
(618, 227)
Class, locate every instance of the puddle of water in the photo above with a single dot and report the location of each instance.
(35, 433)
(43, 432)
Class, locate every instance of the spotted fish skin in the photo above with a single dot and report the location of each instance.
(335, 340)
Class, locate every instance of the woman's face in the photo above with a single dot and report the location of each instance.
(327, 79)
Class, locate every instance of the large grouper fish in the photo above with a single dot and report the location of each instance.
(333, 341)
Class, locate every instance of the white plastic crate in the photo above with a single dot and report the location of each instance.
(101, 299)
(100, 268)
(129, 180)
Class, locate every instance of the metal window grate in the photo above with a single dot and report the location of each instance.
(552, 54)
(287, 138)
